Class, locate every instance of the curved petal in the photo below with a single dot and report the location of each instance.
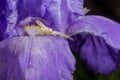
(58, 13)
(76, 6)
(97, 42)
(75, 10)
(93, 50)
(11, 17)
(99, 26)
(36, 58)
(18, 10)
(62, 10)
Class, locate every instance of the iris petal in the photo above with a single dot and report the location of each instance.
(75, 10)
(36, 58)
(76, 6)
(58, 12)
(9, 17)
(33, 8)
(99, 26)
(97, 42)
(94, 51)
(53, 10)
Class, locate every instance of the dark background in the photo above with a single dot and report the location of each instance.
(108, 8)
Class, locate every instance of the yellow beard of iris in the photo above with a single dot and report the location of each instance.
(42, 30)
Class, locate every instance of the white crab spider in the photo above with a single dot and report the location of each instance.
(42, 30)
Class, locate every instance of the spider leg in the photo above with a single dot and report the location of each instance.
(61, 34)
(40, 24)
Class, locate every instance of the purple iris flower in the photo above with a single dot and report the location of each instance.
(96, 40)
